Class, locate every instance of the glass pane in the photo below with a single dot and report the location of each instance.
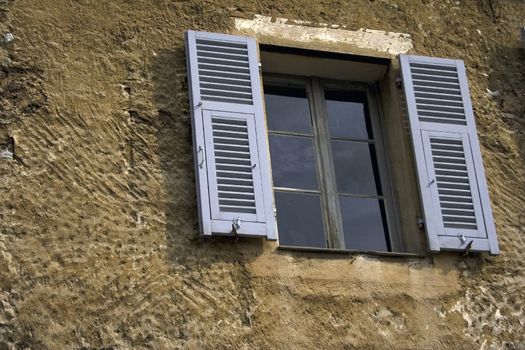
(347, 114)
(364, 223)
(356, 168)
(287, 109)
(293, 162)
(300, 220)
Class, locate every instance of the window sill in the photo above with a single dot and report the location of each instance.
(349, 251)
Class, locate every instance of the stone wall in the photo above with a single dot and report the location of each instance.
(99, 244)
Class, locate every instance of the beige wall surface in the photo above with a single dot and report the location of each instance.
(99, 243)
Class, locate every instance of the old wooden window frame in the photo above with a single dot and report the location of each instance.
(331, 211)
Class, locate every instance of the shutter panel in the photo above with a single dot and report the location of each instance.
(229, 136)
(450, 170)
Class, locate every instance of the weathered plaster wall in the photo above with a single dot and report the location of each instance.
(98, 234)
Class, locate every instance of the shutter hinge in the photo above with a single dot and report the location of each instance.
(420, 222)
(399, 82)
(274, 211)
(260, 66)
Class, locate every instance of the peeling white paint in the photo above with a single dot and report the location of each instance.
(379, 40)
(5, 153)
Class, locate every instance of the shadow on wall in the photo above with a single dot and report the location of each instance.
(494, 8)
(507, 77)
(175, 151)
(507, 84)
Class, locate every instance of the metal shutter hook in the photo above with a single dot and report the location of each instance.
(201, 150)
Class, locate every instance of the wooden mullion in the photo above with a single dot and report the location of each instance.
(329, 197)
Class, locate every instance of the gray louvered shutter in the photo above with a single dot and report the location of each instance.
(450, 170)
(229, 136)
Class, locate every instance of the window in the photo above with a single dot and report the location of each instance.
(331, 183)
(326, 150)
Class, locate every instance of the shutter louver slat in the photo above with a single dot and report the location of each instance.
(227, 81)
(438, 96)
(219, 68)
(438, 102)
(428, 82)
(231, 149)
(241, 62)
(432, 78)
(433, 72)
(225, 99)
(452, 183)
(217, 86)
(440, 68)
(222, 44)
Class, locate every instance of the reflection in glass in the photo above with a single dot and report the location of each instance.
(364, 223)
(287, 109)
(347, 116)
(355, 168)
(300, 221)
(293, 162)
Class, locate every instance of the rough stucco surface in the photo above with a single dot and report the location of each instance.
(98, 230)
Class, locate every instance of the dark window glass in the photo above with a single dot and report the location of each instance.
(355, 168)
(300, 220)
(293, 162)
(348, 115)
(364, 223)
(287, 109)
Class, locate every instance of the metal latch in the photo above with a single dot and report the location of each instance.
(420, 222)
(468, 247)
(399, 82)
(200, 152)
(236, 225)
